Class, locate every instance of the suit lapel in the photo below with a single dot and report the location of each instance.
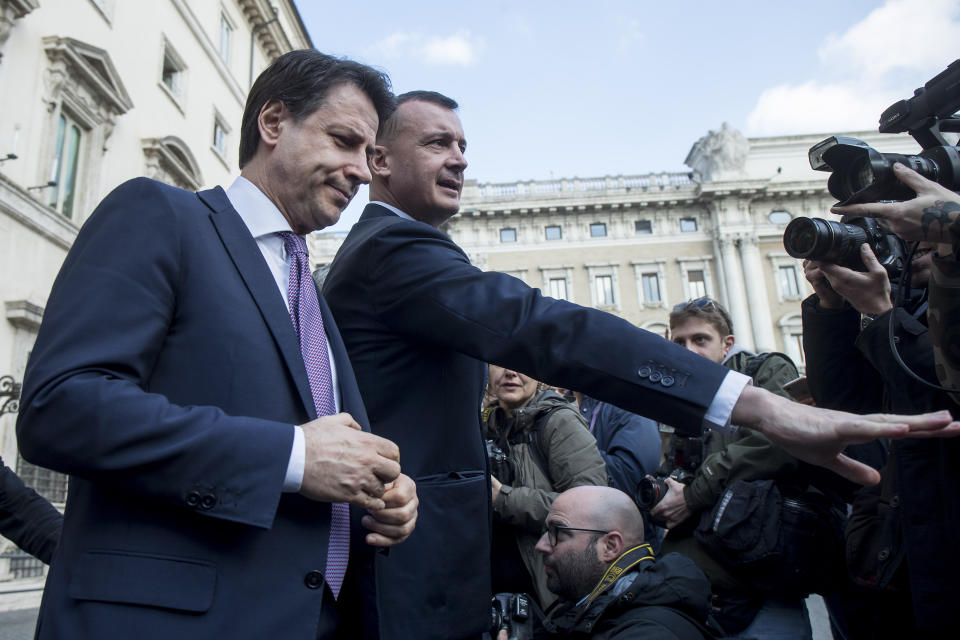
(246, 256)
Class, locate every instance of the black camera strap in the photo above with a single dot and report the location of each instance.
(627, 560)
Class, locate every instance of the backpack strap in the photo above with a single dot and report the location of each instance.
(534, 438)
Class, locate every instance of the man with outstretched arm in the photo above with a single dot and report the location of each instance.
(420, 321)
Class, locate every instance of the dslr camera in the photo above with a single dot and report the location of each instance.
(684, 457)
(501, 466)
(860, 173)
(511, 611)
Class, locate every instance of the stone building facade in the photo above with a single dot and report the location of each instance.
(636, 245)
(95, 92)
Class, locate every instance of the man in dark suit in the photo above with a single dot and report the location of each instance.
(419, 320)
(175, 385)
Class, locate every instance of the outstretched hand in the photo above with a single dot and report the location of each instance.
(819, 436)
(925, 217)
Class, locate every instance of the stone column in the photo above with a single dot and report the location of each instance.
(721, 294)
(757, 295)
(737, 301)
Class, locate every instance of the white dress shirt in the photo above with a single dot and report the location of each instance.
(264, 221)
(721, 407)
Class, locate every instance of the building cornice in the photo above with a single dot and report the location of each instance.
(16, 203)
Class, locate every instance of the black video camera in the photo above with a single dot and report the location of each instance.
(860, 173)
(511, 611)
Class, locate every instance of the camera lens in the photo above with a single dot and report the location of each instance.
(649, 492)
(825, 240)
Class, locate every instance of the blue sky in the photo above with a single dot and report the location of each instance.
(562, 89)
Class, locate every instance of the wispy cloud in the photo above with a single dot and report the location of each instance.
(914, 36)
(457, 49)
(632, 33)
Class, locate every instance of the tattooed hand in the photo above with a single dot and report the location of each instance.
(926, 217)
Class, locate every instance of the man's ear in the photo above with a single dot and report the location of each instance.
(271, 115)
(379, 165)
(728, 344)
(610, 547)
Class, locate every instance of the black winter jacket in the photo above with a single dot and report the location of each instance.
(623, 612)
(910, 522)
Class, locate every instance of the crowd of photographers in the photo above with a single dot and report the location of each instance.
(750, 530)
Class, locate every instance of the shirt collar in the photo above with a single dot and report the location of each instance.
(403, 215)
(257, 211)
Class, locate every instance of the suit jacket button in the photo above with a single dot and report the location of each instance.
(193, 499)
(655, 376)
(644, 372)
(208, 501)
(314, 579)
(667, 381)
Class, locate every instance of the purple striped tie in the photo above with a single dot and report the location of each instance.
(305, 314)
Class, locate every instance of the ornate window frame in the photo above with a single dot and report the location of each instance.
(647, 267)
(82, 83)
(170, 160)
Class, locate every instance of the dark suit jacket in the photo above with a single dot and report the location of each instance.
(418, 321)
(26, 517)
(165, 379)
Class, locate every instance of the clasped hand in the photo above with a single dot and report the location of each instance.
(346, 464)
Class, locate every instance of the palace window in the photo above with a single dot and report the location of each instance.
(789, 281)
(651, 287)
(553, 232)
(696, 284)
(508, 235)
(688, 225)
(598, 230)
(64, 169)
(558, 288)
(642, 227)
(604, 290)
(226, 37)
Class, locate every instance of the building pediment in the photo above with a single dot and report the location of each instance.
(170, 160)
(90, 66)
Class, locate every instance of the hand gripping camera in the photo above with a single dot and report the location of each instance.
(511, 611)
(860, 173)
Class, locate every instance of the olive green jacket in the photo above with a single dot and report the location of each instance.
(741, 455)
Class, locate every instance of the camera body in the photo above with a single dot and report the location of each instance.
(860, 173)
(501, 467)
(511, 611)
(684, 457)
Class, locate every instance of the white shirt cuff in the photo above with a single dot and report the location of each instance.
(720, 410)
(298, 455)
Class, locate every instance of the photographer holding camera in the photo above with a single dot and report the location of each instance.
(747, 483)
(538, 445)
(900, 533)
(932, 216)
